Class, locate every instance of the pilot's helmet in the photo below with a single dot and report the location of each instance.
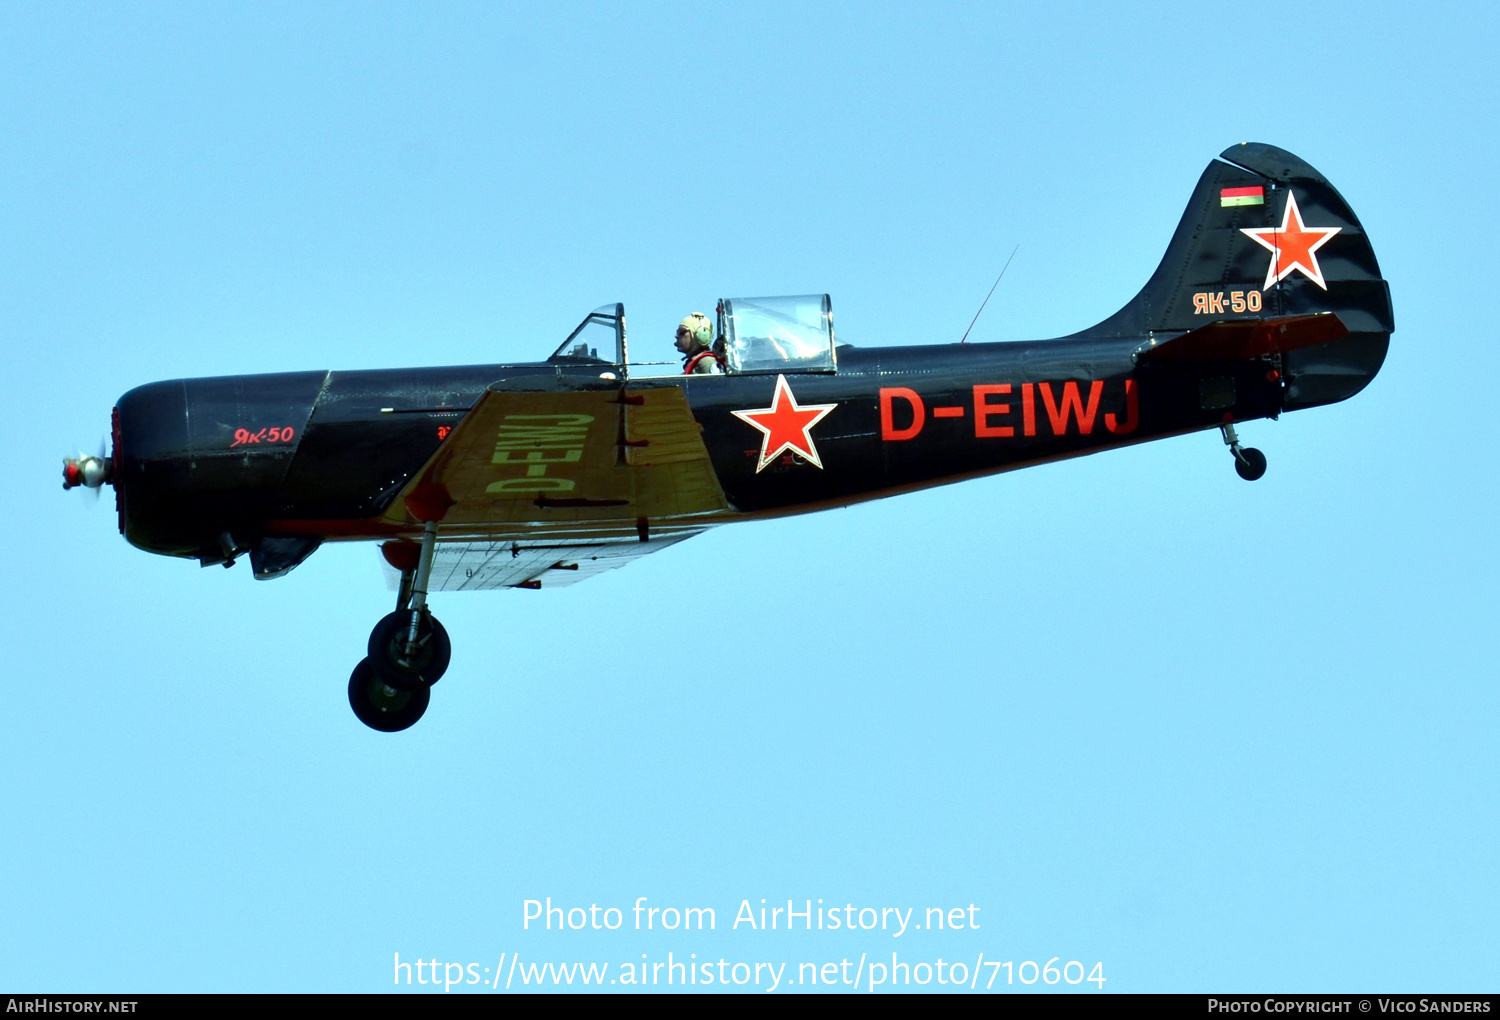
(698, 327)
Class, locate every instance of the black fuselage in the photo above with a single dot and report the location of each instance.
(325, 453)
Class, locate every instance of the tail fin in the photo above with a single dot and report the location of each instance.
(1266, 236)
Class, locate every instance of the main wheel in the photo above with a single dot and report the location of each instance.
(381, 706)
(425, 666)
(1250, 463)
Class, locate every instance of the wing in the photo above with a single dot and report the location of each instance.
(484, 566)
(547, 482)
(544, 455)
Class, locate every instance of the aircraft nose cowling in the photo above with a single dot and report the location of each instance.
(151, 465)
(197, 458)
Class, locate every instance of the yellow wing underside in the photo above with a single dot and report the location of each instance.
(597, 462)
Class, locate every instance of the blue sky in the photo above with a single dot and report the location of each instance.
(1210, 734)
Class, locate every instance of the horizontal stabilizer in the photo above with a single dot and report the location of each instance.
(1246, 339)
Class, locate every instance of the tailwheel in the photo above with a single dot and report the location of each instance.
(1249, 463)
(406, 663)
(381, 706)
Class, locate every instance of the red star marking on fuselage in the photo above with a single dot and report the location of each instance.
(786, 425)
(1292, 245)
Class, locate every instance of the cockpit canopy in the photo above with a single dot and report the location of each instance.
(763, 334)
(778, 334)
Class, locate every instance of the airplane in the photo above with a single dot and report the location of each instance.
(542, 474)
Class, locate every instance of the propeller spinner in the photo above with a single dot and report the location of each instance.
(90, 472)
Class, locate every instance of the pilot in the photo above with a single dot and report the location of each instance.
(695, 338)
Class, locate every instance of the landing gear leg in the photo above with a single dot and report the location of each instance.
(410, 647)
(1249, 463)
(408, 652)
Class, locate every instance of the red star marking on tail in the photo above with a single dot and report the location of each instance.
(1292, 245)
(786, 425)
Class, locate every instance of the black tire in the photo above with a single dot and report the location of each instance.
(388, 640)
(381, 706)
(1250, 463)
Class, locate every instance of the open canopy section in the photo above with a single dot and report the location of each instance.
(778, 334)
(600, 338)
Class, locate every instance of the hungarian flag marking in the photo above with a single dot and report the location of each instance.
(1241, 196)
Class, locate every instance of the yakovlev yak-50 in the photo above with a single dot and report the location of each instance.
(532, 475)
